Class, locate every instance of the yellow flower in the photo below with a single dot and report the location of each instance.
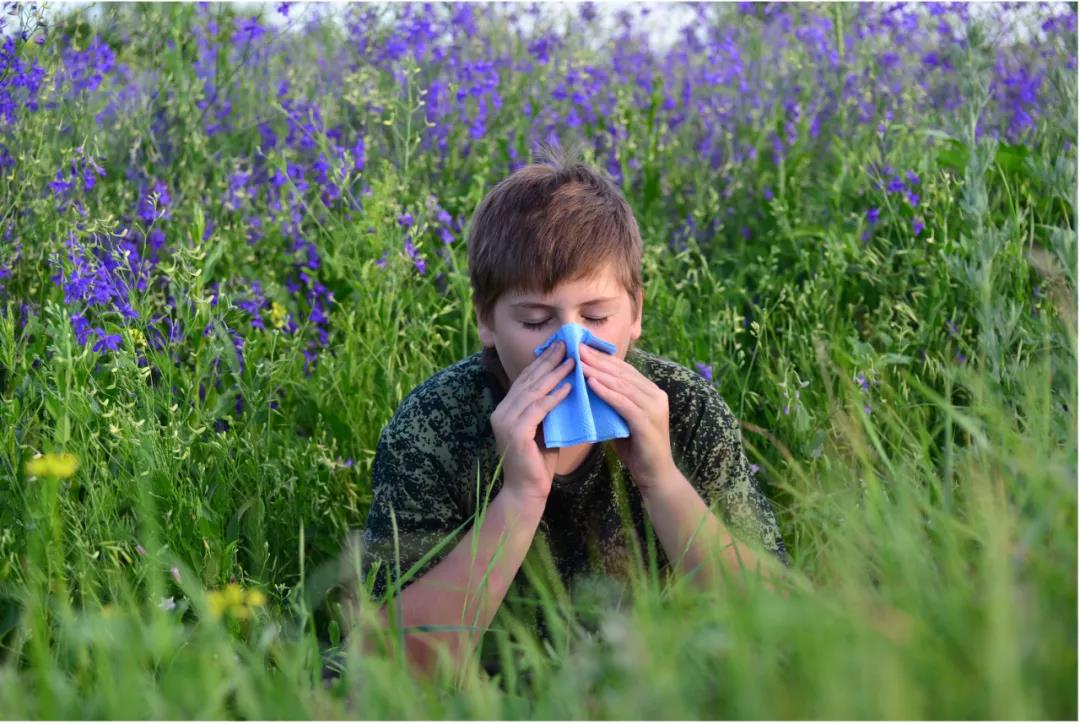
(234, 595)
(278, 315)
(138, 337)
(57, 465)
(216, 601)
(234, 601)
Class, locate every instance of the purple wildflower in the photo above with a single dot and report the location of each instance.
(705, 371)
(81, 327)
(250, 27)
(110, 342)
(872, 215)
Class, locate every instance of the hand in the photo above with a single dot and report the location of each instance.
(646, 454)
(528, 466)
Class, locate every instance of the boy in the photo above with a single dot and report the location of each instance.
(554, 243)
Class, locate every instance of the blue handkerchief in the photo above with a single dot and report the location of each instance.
(582, 416)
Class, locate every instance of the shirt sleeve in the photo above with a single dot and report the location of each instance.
(720, 471)
(414, 484)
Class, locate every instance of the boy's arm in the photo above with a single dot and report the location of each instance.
(714, 458)
(413, 482)
(467, 587)
(414, 508)
(689, 531)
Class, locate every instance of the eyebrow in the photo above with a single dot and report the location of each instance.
(538, 305)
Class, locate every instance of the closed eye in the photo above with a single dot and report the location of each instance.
(539, 325)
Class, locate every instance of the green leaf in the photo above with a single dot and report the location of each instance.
(1011, 157)
(953, 156)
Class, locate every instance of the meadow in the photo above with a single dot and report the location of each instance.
(232, 239)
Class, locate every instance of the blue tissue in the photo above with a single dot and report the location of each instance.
(582, 416)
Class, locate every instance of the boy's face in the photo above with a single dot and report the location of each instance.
(522, 321)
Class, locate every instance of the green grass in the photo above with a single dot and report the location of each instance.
(933, 538)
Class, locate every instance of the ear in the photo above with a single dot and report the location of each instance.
(635, 328)
(487, 334)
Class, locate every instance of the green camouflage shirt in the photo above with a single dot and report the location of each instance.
(436, 459)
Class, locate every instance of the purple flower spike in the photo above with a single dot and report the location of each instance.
(872, 215)
(405, 220)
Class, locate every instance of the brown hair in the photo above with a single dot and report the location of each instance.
(551, 221)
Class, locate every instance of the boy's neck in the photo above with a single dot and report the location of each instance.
(490, 359)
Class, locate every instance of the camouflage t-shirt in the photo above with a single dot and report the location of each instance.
(436, 460)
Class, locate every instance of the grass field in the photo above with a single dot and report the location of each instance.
(232, 240)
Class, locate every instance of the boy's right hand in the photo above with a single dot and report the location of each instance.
(528, 466)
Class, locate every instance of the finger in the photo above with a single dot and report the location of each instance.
(622, 403)
(620, 369)
(547, 359)
(541, 365)
(643, 391)
(615, 383)
(534, 414)
(539, 388)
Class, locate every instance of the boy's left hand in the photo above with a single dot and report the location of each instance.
(647, 452)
